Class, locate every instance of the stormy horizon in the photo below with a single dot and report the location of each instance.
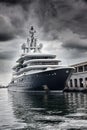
(61, 26)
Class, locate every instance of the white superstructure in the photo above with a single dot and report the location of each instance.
(32, 60)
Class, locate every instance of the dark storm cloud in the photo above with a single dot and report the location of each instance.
(75, 49)
(7, 55)
(77, 44)
(52, 16)
(6, 37)
(6, 29)
(85, 0)
(58, 15)
(16, 1)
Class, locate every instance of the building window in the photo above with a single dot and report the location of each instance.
(71, 85)
(80, 68)
(86, 81)
(75, 82)
(85, 67)
(75, 70)
(81, 82)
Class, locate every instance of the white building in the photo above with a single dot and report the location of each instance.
(78, 79)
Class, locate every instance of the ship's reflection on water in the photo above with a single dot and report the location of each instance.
(41, 111)
(52, 111)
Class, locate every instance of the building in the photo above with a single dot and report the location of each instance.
(78, 80)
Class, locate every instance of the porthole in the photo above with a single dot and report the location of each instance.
(54, 73)
(67, 71)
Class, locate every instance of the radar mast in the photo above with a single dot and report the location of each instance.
(31, 44)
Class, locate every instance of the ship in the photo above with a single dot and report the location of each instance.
(36, 71)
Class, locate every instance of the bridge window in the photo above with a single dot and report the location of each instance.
(44, 63)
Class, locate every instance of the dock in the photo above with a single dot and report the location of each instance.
(75, 90)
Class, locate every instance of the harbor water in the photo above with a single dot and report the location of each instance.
(42, 111)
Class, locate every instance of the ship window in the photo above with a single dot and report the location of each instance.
(44, 63)
(80, 68)
(22, 79)
(12, 81)
(71, 85)
(85, 67)
(15, 81)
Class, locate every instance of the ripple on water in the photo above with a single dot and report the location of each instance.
(24, 111)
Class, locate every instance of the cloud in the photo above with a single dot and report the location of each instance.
(10, 49)
(50, 17)
(73, 41)
(59, 15)
(7, 55)
(6, 29)
(5, 66)
(74, 45)
(85, 0)
(16, 1)
(78, 44)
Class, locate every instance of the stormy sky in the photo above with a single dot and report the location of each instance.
(61, 26)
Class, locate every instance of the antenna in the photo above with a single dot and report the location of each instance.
(32, 32)
(28, 44)
(31, 43)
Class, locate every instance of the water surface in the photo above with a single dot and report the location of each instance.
(41, 111)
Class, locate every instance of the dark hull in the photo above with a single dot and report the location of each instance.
(47, 80)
